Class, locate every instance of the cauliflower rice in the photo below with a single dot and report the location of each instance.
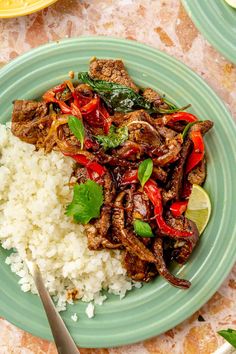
(33, 194)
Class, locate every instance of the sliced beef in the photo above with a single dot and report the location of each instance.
(136, 116)
(80, 173)
(127, 237)
(143, 133)
(162, 269)
(111, 160)
(204, 126)
(140, 131)
(97, 233)
(183, 247)
(168, 153)
(112, 71)
(30, 120)
(152, 96)
(141, 210)
(165, 132)
(137, 269)
(175, 184)
(159, 174)
(118, 118)
(129, 150)
(198, 174)
(142, 206)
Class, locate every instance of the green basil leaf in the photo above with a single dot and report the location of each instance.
(230, 335)
(77, 128)
(145, 171)
(122, 98)
(143, 229)
(86, 203)
(115, 137)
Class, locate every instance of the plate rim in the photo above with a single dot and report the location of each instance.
(227, 55)
(18, 60)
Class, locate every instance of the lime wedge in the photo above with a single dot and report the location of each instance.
(231, 3)
(199, 207)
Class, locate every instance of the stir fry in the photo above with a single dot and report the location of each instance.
(136, 158)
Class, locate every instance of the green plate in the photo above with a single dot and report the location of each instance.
(157, 306)
(217, 22)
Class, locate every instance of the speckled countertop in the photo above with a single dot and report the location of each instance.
(165, 25)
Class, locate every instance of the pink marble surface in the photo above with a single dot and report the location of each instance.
(163, 25)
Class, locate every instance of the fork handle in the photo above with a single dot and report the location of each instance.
(61, 335)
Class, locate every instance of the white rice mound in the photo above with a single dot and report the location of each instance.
(34, 192)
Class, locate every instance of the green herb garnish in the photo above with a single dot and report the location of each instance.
(86, 203)
(187, 127)
(115, 137)
(230, 335)
(143, 229)
(145, 171)
(122, 98)
(77, 128)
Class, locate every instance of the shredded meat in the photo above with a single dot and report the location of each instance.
(111, 70)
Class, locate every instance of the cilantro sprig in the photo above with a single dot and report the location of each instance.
(86, 203)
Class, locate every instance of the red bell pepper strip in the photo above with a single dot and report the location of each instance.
(91, 106)
(129, 177)
(91, 165)
(64, 107)
(75, 111)
(176, 117)
(198, 150)
(178, 208)
(89, 143)
(106, 119)
(130, 152)
(59, 88)
(49, 97)
(154, 194)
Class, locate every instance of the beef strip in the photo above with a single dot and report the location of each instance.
(185, 246)
(111, 160)
(30, 120)
(203, 126)
(152, 96)
(128, 150)
(112, 71)
(139, 115)
(177, 176)
(144, 134)
(174, 190)
(118, 118)
(198, 174)
(97, 232)
(137, 269)
(141, 210)
(162, 269)
(80, 173)
(159, 174)
(127, 237)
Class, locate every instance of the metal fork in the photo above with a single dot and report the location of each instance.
(63, 340)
